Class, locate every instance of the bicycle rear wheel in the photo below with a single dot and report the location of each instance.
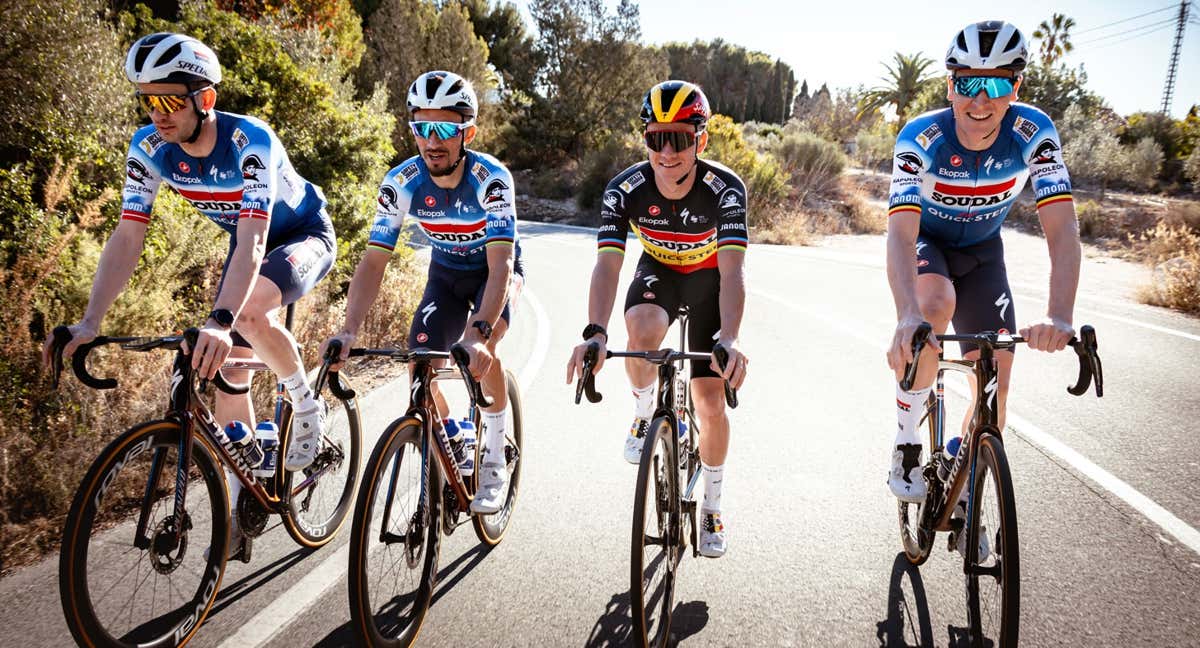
(657, 538)
(490, 528)
(322, 494)
(394, 539)
(119, 589)
(993, 562)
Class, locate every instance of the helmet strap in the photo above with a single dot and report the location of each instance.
(201, 116)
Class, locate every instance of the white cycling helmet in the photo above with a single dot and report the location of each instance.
(171, 58)
(443, 90)
(988, 45)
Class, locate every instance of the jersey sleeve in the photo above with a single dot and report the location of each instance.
(142, 177)
(391, 206)
(499, 199)
(259, 159)
(614, 220)
(731, 216)
(1042, 151)
(910, 159)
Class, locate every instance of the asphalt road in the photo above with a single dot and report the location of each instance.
(1106, 489)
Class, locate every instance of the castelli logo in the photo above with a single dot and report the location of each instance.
(647, 295)
(430, 201)
(955, 160)
(183, 166)
(422, 338)
(654, 210)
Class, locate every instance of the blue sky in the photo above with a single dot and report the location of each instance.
(844, 43)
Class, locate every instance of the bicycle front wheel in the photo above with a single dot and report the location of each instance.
(993, 557)
(394, 539)
(490, 528)
(321, 495)
(657, 537)
(121, 585)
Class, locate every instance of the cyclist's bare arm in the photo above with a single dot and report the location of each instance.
(601, 296)
(364, 289)
(244, 264)
(731, 264)
(1062, 238)
(495, 293)
(903, 228)
(117, 263)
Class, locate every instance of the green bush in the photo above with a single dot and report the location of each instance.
(1143, 161)
(814, 164)
(1191, 168)
(603, 164)
(766, 181)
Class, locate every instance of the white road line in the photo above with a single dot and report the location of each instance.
(276, 616)
(1167, 521)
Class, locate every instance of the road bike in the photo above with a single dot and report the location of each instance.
(413, 491)
(988, 513)
(661, 508)
(145, 541)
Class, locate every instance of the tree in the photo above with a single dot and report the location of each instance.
(743, 84)
(1165, 132)
(1055, 88)
(511, 50)
(1055, 38)
(902, 85)
(1091, 150)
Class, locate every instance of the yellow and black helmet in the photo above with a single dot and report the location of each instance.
(676, 101)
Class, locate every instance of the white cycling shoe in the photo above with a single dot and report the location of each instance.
(636, 439)
(712, 535)
(307, 428)
(493, 489)
(905, 478)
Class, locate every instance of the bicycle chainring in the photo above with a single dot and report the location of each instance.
(251, 516)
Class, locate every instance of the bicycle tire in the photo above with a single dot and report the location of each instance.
(490, 529)
(114, 530)
(402, 441)
(341, 453)
(993, 599)
(656, 494)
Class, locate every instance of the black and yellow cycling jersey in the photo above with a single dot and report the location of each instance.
(683, 234)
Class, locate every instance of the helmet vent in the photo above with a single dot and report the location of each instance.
(987, 40)
(431, 85)
(1013, 41)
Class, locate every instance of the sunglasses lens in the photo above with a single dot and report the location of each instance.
(165, 104)
(443, 130)
(678, 140)
(995, 87)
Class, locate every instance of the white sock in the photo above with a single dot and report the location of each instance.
(494, 424)
(644, 401)
(910, 405)
(713, 476)
(297, 387)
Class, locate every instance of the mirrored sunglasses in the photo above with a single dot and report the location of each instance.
(164, 103)
(679, 140)
(994, 86)
(443, 130)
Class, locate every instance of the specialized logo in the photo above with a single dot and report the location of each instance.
(910, 163)
(239, 139)
(494, 192)
(429, 309)
(251, 167)
(929, 135)
(184, 167)
(1045, 152)
(731, 199)
(416, 386)
(612, 199)
(649, 280)
(654, 210)
(921, 247)
(987, 165)
(136, 171)
(1025, 128)
(1003, 303)
(990, 390)
(430, 201)
(716, 184)
(956, 160)
(632, 182)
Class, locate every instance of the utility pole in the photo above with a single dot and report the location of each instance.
(1173, 68)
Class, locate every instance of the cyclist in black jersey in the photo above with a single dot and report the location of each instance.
(690, 215)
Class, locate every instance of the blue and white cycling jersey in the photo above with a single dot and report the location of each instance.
(962, 195)
(460, 223)
(247, 175)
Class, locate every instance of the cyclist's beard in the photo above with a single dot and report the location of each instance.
(462, 153)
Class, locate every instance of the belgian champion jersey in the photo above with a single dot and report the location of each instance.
(963, 196)
(460, 223)
(247, 175)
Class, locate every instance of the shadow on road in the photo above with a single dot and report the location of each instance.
(615, 626)
(907, 622)
(455, 571)
(234, 592)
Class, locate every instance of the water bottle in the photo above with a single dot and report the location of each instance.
(267, 434)
(948, 455)
(462, 443)
(241, 438)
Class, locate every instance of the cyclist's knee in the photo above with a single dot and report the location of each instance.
(647, 325)
(708, 395)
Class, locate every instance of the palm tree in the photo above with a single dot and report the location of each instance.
(902, 85)
(1055, 38)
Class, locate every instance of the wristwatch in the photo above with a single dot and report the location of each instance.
(485, 329)
(223, 317)
(592, 329)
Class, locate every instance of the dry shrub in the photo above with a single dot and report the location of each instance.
(1184, 213)
(1175, 252)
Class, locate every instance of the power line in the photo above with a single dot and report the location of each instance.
(1129, 38)
(1154, 25)
(1117, 22)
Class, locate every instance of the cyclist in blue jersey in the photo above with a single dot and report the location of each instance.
(464, 202)
(234, 170)
(956, 173)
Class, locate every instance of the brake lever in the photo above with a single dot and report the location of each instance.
(586, 385)
(463, 360)
(1090, 367)
(722, 355)
(920, 337)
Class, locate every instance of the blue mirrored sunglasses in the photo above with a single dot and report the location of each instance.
(443, 130)
(995, 87)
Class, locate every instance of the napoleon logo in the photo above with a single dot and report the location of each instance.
(910, 163)
(136, 171)
(731, 199)
(251, 167)
(1045, 152)
(612, 199)
(387, 197)
(494, 192)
